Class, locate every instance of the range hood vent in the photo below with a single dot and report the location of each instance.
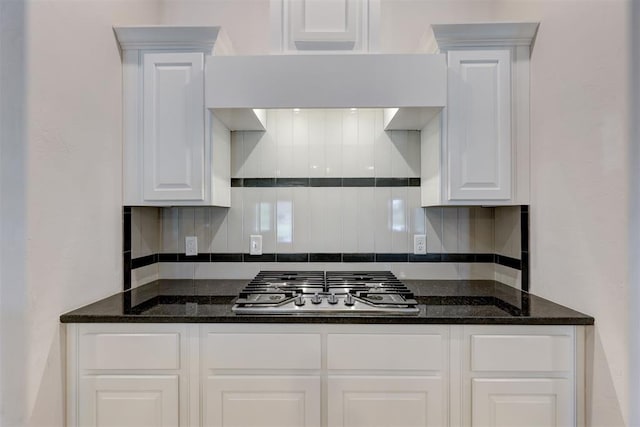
(408, 85)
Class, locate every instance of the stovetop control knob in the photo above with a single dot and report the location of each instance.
(316, 299)
(332, 299)
(349, 301)
(299, 300)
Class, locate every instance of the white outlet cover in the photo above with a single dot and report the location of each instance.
(255, 244)
(191, 245)
(419, 244)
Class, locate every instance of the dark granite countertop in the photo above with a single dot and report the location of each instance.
(440, 302)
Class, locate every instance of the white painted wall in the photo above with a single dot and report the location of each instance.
(61, 195)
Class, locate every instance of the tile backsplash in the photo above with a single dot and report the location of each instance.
(372, 216)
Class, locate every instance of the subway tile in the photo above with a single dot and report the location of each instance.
(399, 153)
(143, 275)
(464, 229)
(237, 182)
(333, 220)
(226, 270)
(399, 221)
(349, 210)
(268, 153)
(417, 218)
(481, 232)
(170, 224)
(300, 142)
(168, 257)
(450, 229)
(284, 220)
(366, 142)
(333, 143)
(383, 220)
(267, 224)
(434, 257)
(143, 261)
(251, 155)
(202, 228)
(434, 229)
(237, 156)
(366, 226)
(350, 149)
(414, 182)
(219, 228)
(317, 154)
(201, 257)
(186, 218)
(301, 221)
(181, 270)
(234, 233)
(254, 215)
(317, 219)
(413, 153)
(126, 270)
(382, 147)
(284, 142)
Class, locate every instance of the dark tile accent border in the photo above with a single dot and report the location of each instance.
(392, 182)
(226, 257)
(292, 257)
(524, 242)
(259, 258)
(325, 257)
(359, 257)
(168, 257)
(326, 182)
(508, 262)
(126, 247)
(201, 257)
(330, 257)
(144, 261)
(392, 257)
(358, 182)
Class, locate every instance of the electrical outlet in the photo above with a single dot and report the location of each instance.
(191, 245)
(419, 244)
(255, 245)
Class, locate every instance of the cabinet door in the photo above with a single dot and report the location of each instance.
(386, 401)
(173, 117)
(129, 401)
(479, 125)
(261, 401)
(514, 402)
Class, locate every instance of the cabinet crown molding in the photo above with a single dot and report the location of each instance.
(167, 37)
(452, 36)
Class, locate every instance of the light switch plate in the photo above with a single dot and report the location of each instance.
(191, 245)
(419, 244)
(255, 244)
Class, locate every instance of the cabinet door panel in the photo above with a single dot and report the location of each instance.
(534, 402)
(173, 117)
(479, 123)
(129, 401)
(386, 401)
(260, 401)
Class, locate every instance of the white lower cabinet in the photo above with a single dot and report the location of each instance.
(262, 401)
(514, 402)
(386, 401)
(315, 375)
(128, 401)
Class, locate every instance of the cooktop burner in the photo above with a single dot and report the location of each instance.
(286, 292)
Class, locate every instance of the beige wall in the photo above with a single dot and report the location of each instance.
(73, 179)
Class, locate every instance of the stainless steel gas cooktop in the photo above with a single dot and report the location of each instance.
(297, 292)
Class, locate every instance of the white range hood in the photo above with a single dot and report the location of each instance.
(411, 87)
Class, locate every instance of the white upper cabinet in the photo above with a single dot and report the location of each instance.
(476, 152)
(175, 151)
